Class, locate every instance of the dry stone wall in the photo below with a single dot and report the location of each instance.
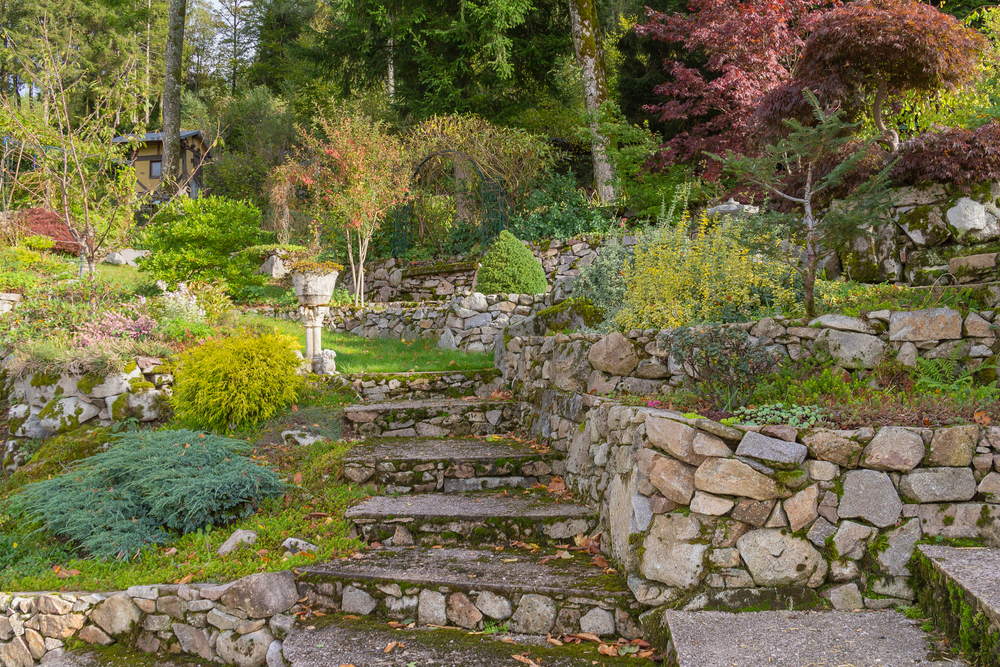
(703, 515)
(44, 405)
(390, 280)
(241, 623)
(932, 234)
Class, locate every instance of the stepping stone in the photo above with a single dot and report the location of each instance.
(431, 418)
(975, 570)
(798, 638)
(470, 518)
(420, 465)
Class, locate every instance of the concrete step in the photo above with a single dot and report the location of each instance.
(798, 638)
(451, 465)
(473, 587)
(362, 644)
(959, 589)
(431, 418)
(469, 518)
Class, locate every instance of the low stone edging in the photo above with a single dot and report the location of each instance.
(432, 418)
(375, 387)
(241, 623)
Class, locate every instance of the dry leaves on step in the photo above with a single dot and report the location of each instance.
(560, 554)
(532, 547)
(982, 418)
(185, 579)
(501, 395)
(63, 573)
(390, 646)
(552, 640)
(523, 657)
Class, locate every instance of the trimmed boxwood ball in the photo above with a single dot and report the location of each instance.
(510, 268)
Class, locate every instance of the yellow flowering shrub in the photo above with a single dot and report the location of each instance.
(679, 279)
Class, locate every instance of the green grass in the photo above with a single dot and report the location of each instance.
(313, 510)
(362, 355)
(126, 276)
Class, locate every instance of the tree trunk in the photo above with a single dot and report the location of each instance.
(891, 135)
(812, 249)
(590, 57)
(170, 167)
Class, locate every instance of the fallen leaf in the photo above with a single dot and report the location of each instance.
(185, 579)
(353, 618)
(589, 636)
(552, 640)
(644, 654)
(608, 649)
(523, 657)
(297, 479)
(295, 408)
(391, 646)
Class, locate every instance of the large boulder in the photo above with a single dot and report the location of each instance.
(262, 595)
(924, 325)
(65, 414)
(613, 354)
(669, 555)
(729, 477)
(852, 350)
(244, 651)
(777, 559)
(116, 615)
(938, 485)
(894, 448)
(870, 495)
(972, 222)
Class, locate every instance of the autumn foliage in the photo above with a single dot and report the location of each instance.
(751, 47)
(955, 155)
(43, 222)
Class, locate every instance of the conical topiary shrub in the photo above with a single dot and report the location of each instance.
(510, 268)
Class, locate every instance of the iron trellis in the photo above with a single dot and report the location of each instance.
(491, 197)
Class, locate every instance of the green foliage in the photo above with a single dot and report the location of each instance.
(806, 384)
(22, 269)
(855, 299)
(236, 382)
(800, 416)
(948, 376)
(679, 278)
(194, 239)
(558, 209)
(725, 361)
(602, 283)
(509, 267)
(118, 502)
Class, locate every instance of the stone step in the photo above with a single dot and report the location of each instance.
(420, 465)
(418, 385)
(959, 588)
(362, 644)
(469, 518)
(798, 638)
(469, 588)
(432, 418)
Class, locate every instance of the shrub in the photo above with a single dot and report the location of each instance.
(236, 382)
(510, 268)
(196, 238)
(676, 280)
(117, 502)
(45, 223)
(955, 155)
(558, 209)
(726, 362)
(603, 282)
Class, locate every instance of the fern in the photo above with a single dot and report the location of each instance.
(120, 501)
(950, 376)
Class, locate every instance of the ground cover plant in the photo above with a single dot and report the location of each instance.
(116, 503)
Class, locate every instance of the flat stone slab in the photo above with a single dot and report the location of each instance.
(341, 642)
(797, 639)
(975, 570)
(507, 571)
(437, 449)
(425, 403)
(475, 507)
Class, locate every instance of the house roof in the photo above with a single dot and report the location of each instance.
(154, 136)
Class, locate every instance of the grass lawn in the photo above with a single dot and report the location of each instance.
(362, 355)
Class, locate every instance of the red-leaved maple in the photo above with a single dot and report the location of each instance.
(751, 47)
(866, 52)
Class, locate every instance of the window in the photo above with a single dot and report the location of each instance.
(154, 169)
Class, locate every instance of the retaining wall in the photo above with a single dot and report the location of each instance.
(703, 515)
(241, 623)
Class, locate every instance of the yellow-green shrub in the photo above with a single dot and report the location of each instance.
(236, 382)
(677, 279)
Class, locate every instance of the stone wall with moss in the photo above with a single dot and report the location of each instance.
(44, 405)
(391, 280)
(703, 515)
(932, 234)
